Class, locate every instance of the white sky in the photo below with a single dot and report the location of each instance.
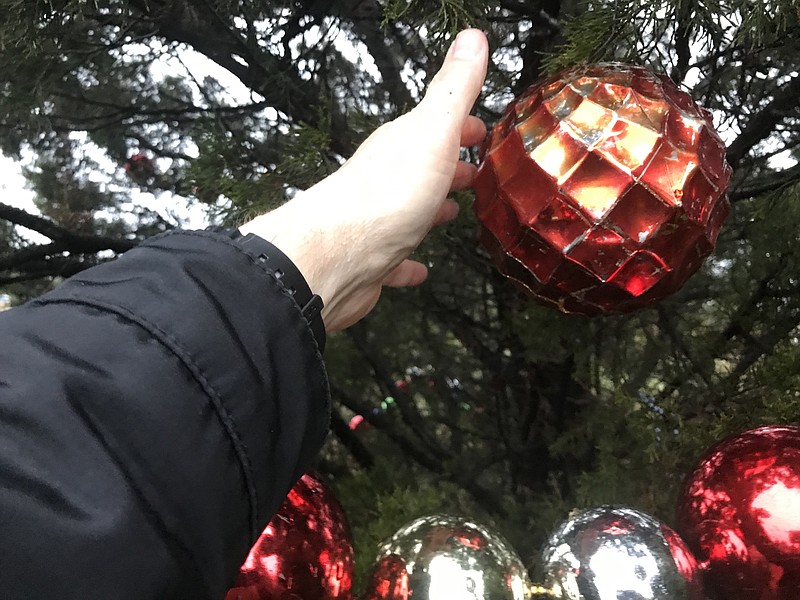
(13, 189)
(12, 185)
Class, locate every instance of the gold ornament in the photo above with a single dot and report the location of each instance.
(442, 557)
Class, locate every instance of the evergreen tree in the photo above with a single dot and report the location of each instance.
(475, 400)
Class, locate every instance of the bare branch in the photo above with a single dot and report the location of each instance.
(763, 123)
(767, 183)
(37, 252)
(683, 38)
(350, 441)
(53, 266)
(72, 242)
(275, 78)
(387, 62)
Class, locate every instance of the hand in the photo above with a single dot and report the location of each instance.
(352, 233)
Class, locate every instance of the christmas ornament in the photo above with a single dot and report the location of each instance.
(140, 168)
(305, 553)
(740, 512)
(602, 189)
(446, 558)
(610, 553)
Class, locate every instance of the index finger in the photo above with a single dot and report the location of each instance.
(455, 88)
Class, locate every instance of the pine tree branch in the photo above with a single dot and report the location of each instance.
(738, 326)
(274, 78)
(766, 184)
(525, 395)
(132, 110)
(667, 326)
(757, 348)
(419, 455)
(147, 145)
(39, 224)
(491, 500)
(14, 279)
(762, 124)
(354, 446)
(683, 36)
(179, 22)
(375, 359)
(538, 45)
(72, 242)
(52, 266)
(387, 63)
(520, 8)
(130, 117)
(18, 259)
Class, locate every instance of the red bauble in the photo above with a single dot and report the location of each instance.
(305, 553)
(140, 168)
(740, 514)
(388, 580)
(602, 189)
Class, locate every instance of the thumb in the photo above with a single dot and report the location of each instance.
(453, 91)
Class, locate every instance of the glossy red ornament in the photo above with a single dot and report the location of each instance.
(305, 553)
(740, 514)
(388, 580)
(602, 189)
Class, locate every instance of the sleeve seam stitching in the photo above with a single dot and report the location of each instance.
(231, 244)
(174, 347)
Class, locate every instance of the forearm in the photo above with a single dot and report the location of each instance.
(352, 233)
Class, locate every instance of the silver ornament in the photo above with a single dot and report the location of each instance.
(617, 553)
(442, 557)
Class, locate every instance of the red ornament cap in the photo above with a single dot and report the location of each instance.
(602, 189)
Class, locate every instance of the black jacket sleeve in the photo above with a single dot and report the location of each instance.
(154, 411)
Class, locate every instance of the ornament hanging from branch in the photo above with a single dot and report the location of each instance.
(602, 189)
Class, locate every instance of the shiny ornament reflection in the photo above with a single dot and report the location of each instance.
(446, 558)
(740, 512)
(305, 553)
(616, 553)
(602, 189)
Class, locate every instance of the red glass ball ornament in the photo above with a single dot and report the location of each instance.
(602, 189)
(740, 513)
(305, 553)
(388, 580)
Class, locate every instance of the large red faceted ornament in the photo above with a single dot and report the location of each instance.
(602, 189)
(305, 553)
(740, 514)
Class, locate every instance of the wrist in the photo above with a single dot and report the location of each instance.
(287, 274)
(315, 252)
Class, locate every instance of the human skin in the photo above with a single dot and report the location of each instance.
(352, 233)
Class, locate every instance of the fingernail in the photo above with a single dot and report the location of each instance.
(468, 44)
